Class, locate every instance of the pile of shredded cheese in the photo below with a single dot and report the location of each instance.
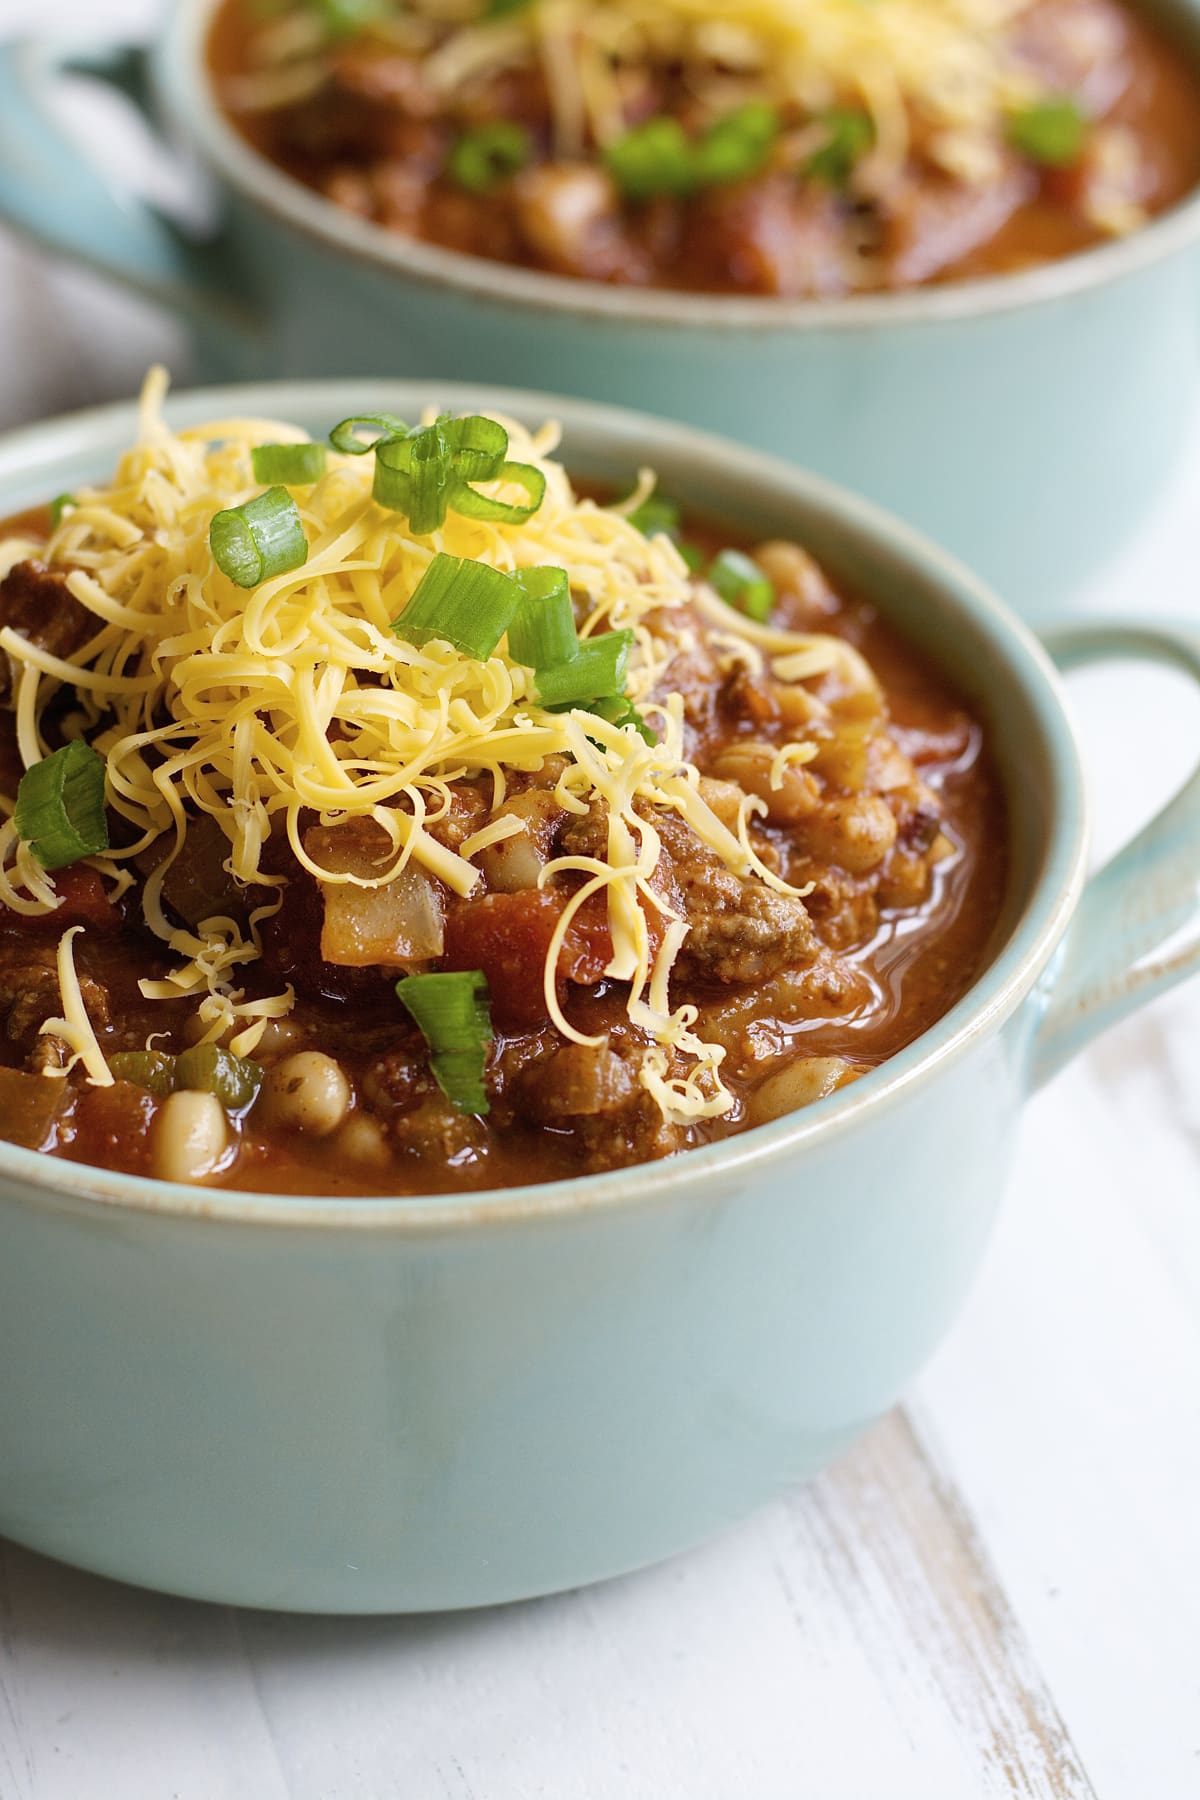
(944, 72)
(945, 65)
(263, 708)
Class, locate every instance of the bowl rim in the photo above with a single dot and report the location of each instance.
(1021, 962)
(192, 106)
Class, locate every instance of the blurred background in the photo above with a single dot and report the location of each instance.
(81, 340)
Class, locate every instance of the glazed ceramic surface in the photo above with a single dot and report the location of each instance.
(1026, 421)
(377, 1405)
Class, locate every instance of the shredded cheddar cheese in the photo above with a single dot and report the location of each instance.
(263, 709)
(939, 80)
(75, 1028)
(944, 70)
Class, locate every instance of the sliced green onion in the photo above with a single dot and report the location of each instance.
(427, 470)
(295, 465)
(741, 583)
(501, 9)
(60, 806)
(392, 485)
(1051, 131)
(652, 159)
(451, 1012)
(208, 1069)
(264, 537)
(597, 671)
(473, 505)
(153, 1070)
(428, 475)
(656, 515)
(413, 476)
(450, 1008)
(350, 436)
(850, 134)
(738, 145)
(621, 712)
(478, 446)
(543, 632)
(660, 517)
(459, 1074)
(482, 159)
(659, 157)
(464, 603)
(58, 507)
(345, 18)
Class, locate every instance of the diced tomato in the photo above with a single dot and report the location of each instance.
(83, 900)
(112, 1127)
(508, 937)
(32, 1107)
(935, 740)
(1068, 187)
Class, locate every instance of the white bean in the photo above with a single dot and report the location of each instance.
(361, 1141)
(749, 765)
(190, 1137)
(798, 1084)
(277, 1036)
(855, 833)
(195, 1029)
(792, 571)
(306, 1092)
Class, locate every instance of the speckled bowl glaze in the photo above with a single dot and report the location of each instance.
(1026, 421)
(389, 1405)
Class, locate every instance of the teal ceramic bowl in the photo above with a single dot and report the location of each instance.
(390, 1405)
(1026, 421)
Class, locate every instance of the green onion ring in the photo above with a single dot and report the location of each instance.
(60, 806)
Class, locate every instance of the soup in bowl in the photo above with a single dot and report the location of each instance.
(815, 150)
(475, 832)
(526, 1344)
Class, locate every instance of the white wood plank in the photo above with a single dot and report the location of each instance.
(849, 1642)
(1069, 1403)
(66, 338)
(106, 1690)
(1068, 1399)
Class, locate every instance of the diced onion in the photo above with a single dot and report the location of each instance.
(391, 926)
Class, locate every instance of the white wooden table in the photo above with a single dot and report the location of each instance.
(997, 1595)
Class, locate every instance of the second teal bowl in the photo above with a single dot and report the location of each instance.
(1026, 421)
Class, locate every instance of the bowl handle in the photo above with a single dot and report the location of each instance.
(1137, 931)
(50, 192)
